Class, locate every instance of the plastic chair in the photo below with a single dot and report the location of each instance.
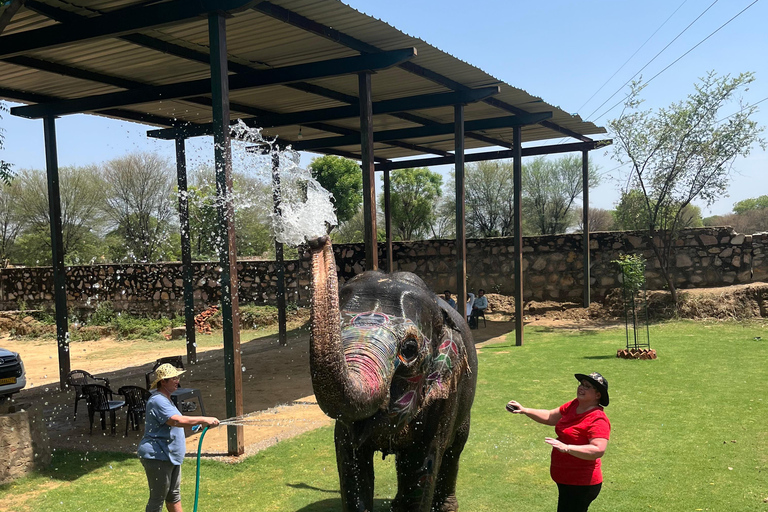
(136, 400)
(79, 378)
(99, 400)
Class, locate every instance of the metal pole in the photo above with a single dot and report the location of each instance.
(279, 263)
(230, 312)
(517, 171)
(388, 222)
(369, 179)
(57, 248)
(585, 222)
(187, 271)
(461, 234)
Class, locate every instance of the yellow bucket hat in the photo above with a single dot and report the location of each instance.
(165, 371)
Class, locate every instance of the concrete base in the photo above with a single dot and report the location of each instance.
(24, 443)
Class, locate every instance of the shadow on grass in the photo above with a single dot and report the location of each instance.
(68, 466)
(308, 487)
(599, 357)
(334, 505)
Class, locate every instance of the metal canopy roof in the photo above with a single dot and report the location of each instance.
(53, 51)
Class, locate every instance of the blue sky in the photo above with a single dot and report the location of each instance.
(562, 51)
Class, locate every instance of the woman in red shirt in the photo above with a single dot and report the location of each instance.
(583, 431)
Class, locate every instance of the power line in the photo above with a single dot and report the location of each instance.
(680, 57)
(742, 110)
(632, 56)
(650, 61)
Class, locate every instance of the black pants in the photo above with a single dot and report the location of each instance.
(576, 498)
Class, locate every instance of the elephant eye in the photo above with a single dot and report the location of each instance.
(409, 350)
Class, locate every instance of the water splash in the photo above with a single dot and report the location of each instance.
(305, 208)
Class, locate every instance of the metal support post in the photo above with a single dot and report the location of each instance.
(230, 312)
(187, 272)
(279, 262)
(388, 222)
(517, 176)
(369, 179)
(585, 222)
(57, 248)
(461, 234)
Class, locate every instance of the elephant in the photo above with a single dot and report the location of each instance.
(396, 367)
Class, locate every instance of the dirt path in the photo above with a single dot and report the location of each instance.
(277, 390)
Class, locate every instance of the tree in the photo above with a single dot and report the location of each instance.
(82, 200)
(10, 219)
(682, 153)
(488, 199)
(550, 188)
(6, 173)
(631, 213)
(352, 231)
(752, 204)
(413, 196)
(599, 219)
(140, 203)
(343, 178)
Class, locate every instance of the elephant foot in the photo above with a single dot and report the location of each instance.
(449, 504)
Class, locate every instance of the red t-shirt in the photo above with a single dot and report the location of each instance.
(576, 428)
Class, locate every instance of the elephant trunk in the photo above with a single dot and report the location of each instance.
(350, 378)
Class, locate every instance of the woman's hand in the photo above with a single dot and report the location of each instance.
(210, 421)
(557, 445)
(515, 407)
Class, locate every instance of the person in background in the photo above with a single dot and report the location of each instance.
(478, 307)
(163, 446)
(583, 431)
(447, 298)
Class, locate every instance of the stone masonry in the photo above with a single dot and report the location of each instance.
(552, 269)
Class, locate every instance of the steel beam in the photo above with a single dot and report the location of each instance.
(585, 222)
(274, 119)
(114, 23)
(388, 221)
(187, 271)
(517, 180)
(252, 79)
(279, 262)
(9, 12)
(365, 139)
(424, 131)
(461, 234)
(230, 311)
(496, 155)
(57, 249)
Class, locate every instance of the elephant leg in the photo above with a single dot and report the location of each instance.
(445, 489)
(355, 471)
(416, 476)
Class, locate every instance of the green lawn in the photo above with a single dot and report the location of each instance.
(690, 432)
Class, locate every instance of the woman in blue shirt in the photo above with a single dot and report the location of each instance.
(163, 446)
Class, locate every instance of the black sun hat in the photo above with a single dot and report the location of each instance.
(600, 383)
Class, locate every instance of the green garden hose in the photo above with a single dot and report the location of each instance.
(197, 477)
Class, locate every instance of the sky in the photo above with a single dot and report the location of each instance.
(578, 56)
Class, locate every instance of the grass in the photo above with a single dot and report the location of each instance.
(689, 433)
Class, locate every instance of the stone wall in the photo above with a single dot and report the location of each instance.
(24, 444)
(553, 265)
(553, 270)
(156, 288)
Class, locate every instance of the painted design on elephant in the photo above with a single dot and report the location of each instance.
(442, 380)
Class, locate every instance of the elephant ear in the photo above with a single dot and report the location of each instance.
(449, 362)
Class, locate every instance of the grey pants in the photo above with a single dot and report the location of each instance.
(164, 480)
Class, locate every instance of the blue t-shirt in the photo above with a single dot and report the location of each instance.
(161, 441)
(481, 302)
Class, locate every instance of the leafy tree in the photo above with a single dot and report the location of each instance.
(631, 213)
(10, 219)
(140, 204)
(413, 196)
(488, 199)
(550, 188)
(682, 153)
(748, 205)
(343, 178)
(6, 173)
(82, 200)
(599, 219)
(352, 231)
(444, 223)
